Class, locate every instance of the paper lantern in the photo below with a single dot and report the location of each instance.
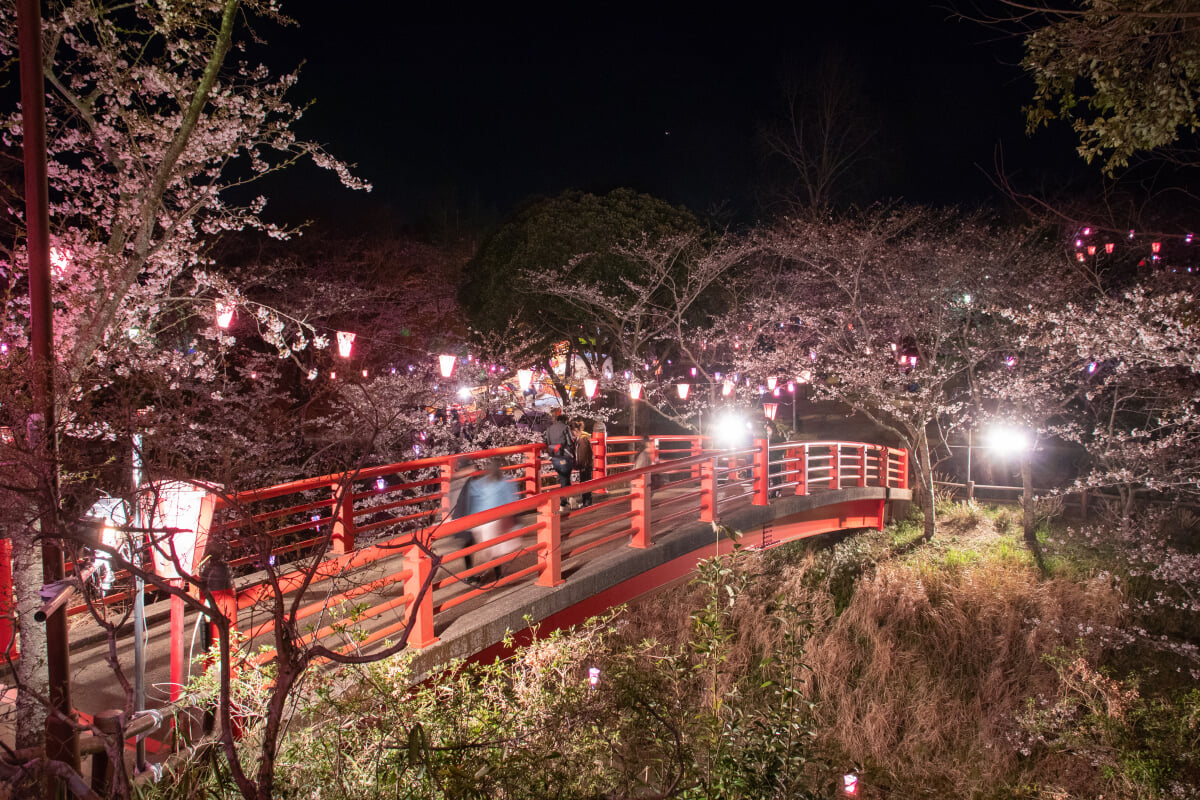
(589, 387)
(635, 391)
(772, 382)
(727, 388)
(345, 343)
(1108, 247)
(683, 389)
(224, 314)
(770, 409)
(524, 379)
(446, 364)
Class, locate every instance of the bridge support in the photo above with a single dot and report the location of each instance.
(639, 501)
(417, 568)
(549, 543)
(762, 458)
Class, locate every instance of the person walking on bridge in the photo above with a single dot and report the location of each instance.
(489, 491)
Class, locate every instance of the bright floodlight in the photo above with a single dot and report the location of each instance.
(730, 430)
(1009, 439)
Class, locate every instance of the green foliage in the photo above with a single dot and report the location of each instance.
(1125, 73)
(549, 234)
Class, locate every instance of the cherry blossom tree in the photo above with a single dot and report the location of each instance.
(887, 310)
(155, 113)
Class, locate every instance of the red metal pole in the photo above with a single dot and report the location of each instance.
(762, 456)
(178, 643)
(862, 465)
(8, 603)
(639, 504)
(600, 453)
(802, 485)
(550, 543)
(342, 539)
(418, 566)
(708, 491)
(62, 743)
(533, 472)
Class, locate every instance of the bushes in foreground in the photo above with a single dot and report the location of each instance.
(953, 669)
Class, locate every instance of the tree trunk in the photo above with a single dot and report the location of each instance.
(1027, 504)
(925, 499)
(32, 667)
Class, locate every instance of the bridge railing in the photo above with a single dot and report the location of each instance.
(536, 547)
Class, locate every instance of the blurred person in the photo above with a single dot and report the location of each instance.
(488, 491)
(560, 445)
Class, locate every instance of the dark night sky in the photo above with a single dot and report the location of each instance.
(666, 104)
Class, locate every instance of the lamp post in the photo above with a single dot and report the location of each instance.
(635, 393)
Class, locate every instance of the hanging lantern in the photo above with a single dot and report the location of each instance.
(791, 386)
(805, 376)
(1108, 247)
(589, 387)
(364, 373)
(635, 391)
(772, 382)
(345, 343)
(693, 372)
(524, 379)
(333, 376)
(1155, 247)
(1187, 239)
(727, 388)
(1091, 249)
(683, 389)
(770, 409)
(446, 364)
(224, 314)
(1081, 256)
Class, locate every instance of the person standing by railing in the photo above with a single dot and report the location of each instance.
(560, 445)
(461, 471)
(584, 458)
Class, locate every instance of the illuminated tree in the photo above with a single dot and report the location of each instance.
(151, 123)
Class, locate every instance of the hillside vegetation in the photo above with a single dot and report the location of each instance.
(951, 669)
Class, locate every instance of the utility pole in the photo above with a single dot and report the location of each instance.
(61, 741)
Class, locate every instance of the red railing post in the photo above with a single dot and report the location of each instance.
(903, 468)
(418, 566)
(692, 453)
(600, 454)
(445, 474)
(862, 465)
(8, 602)
(639, 504)
(178, 643)
(762, 455)
(342, 540)
(708, 491)
(802, 480)
(835, 467)
(885, 467)
(533, 471)
(549, 543)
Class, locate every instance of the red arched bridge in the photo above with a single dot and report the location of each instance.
(375, 550)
